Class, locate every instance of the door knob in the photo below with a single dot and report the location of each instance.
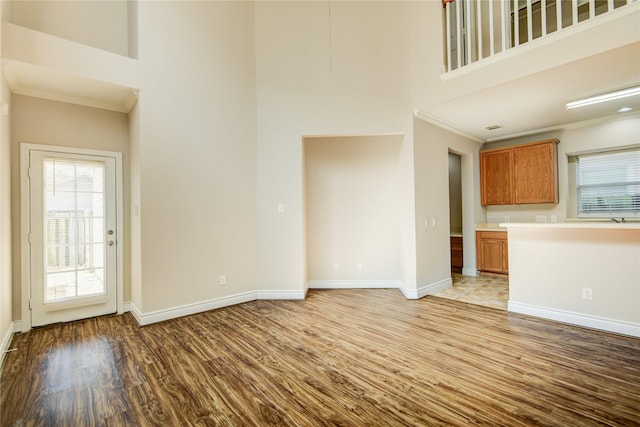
(110, 242)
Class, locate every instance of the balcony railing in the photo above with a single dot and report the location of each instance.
(479, 29)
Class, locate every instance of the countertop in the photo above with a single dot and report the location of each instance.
(490, 226)
(572, 224)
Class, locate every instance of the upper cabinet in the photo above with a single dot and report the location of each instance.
(520, 174)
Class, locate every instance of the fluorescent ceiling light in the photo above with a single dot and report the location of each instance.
(631, 91)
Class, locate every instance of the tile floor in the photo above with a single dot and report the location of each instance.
(488, 291)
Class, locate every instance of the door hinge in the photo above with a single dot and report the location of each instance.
(29, 173)
(29, 237)
(30, 307)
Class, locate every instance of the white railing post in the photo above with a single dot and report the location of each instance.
(479, 30)
(609, 5)
(558, 15)
(468, 33)
(529, 22)
(574, 7)
(447, 43)
(543, 17)
(459, 31)
(505, 26)
(492, 49)
(516, 23)
(592, 8)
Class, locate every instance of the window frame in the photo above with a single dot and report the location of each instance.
(574, 169)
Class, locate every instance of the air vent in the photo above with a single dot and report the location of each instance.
(493, 127)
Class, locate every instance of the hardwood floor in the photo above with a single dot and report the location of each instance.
(341, 357)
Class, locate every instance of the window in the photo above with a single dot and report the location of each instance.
(608, 184)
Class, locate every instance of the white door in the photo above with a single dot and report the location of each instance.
(73, 269)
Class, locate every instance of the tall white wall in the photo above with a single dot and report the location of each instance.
(5, 221)
(432, 147)
(100, 24)
(352, 201)
(325, 68)
(196, 149)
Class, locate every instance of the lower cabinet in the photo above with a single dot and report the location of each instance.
(456, 253)
(492, 251)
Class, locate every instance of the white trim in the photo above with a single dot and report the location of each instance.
(430, 289)
(579, 319)
(25, 148)
(470, 272)
(127, 306)
(573, 125)
(355, 284)
(418, 114)
(6, 339)
(188, 309)
(280, 295)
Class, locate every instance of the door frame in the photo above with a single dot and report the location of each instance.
(25, 226)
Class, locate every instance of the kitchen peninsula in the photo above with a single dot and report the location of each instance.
(584, 273)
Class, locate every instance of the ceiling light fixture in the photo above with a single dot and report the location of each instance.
(610, 96)
(625, 110)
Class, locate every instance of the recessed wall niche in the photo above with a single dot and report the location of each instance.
(352, 208)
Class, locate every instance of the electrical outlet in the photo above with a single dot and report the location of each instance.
(223, 280)
(359, 266)
(506, 218)
(280, 208)
(541, 218)
(587, 293)
(433, 221)
(554, 218)
(335, 266)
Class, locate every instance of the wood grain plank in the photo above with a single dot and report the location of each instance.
(340, 357)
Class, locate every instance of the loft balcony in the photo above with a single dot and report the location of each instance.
(506, 74)
(480, 29)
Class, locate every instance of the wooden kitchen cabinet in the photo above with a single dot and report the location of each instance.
(496, 177)
(520, 174)
(492, 251)
(456, 254)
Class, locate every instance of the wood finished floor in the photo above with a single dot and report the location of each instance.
(341, 357)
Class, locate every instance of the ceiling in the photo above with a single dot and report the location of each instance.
(537, 102)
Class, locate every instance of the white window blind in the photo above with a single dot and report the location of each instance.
(608, 184)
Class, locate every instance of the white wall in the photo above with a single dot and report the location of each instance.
(352, 194)
(196, 150)
(432, 147)
(6, 326)
(100, 24)
(39, 121)
(616, 133)
(325, 68)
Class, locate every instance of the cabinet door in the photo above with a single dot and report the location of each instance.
(535, 173)
(491, 251)
(496, 175)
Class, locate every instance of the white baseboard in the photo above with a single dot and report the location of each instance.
(470, 272)
(188, 309)
(430, 289)
(278, 294)
(579, 319)
(355, 284)
(14, 327)
(126, 306)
